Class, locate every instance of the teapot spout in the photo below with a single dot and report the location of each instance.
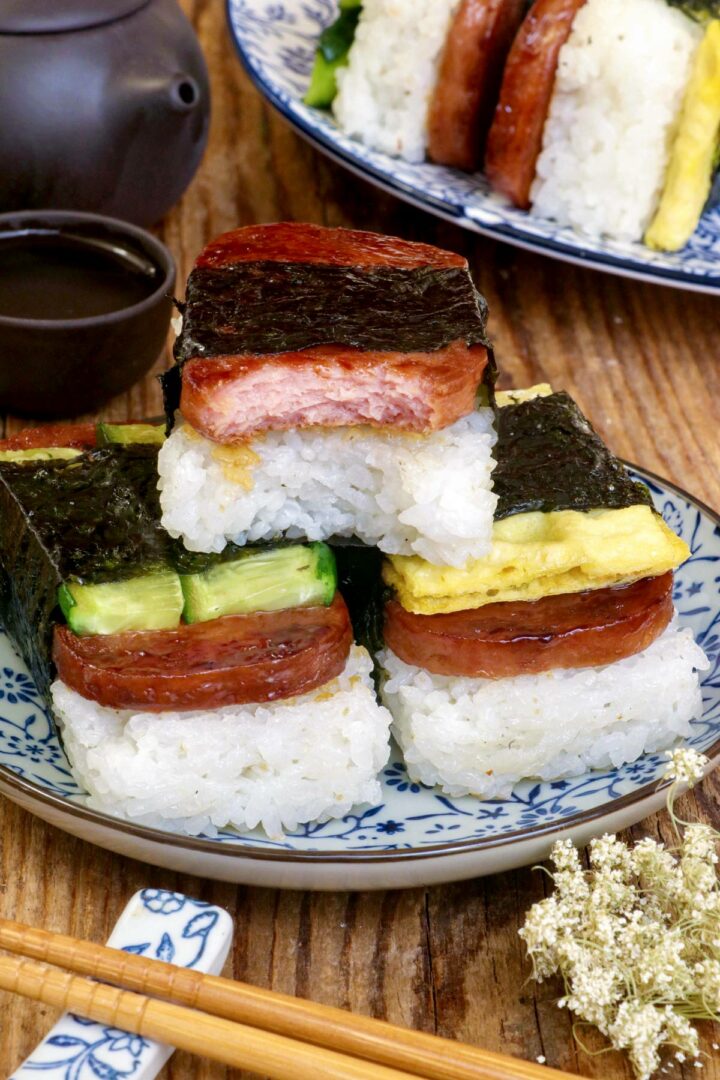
(180, 92)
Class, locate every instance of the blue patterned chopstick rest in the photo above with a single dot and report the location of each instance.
(158, 924)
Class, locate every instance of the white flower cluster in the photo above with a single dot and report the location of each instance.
(636, 938)
(685, 766)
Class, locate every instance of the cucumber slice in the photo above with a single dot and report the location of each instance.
(295, 576)
(108, 434)
(151, 602)
(321, 92)
(331, 53)
(40, 453)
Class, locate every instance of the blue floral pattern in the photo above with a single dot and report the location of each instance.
(276, 43)
(411, 815)
(172, 927)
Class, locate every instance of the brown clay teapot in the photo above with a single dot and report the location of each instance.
(104, 106)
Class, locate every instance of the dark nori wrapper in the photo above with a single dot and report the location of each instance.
(97, 516)
(549, 457)
(272, 307)
(362, 588)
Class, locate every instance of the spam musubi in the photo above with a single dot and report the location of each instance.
(187, 688)
(557, 652)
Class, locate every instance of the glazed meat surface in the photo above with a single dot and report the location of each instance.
(515, 138)
(466, 91)
(293, 325)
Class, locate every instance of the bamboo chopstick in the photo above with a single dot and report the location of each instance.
(277, 1015)
(207, 1036)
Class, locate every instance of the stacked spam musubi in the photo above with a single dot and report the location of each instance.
(528, 622)
(333, 400)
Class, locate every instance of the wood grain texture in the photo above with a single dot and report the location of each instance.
(641, 361)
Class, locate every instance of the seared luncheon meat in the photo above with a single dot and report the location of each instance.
(292, 325)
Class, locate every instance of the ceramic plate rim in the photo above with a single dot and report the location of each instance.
(507, 233)
(35, 791)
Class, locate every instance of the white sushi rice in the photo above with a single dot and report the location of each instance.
(406, 494)
(620, 83)
(482, 736)
(384, 92)
(309, 758)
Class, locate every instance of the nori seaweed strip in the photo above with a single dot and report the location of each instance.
(273, 307)
(549, 457)
(97, 516)
(363, 590)
(28, 593)
(196, 562)
(361, 585)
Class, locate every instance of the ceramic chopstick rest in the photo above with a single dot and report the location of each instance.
(158, 924)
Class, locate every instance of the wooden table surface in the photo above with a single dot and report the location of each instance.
(642, 361)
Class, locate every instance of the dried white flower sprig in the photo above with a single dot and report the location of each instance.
(636, 938)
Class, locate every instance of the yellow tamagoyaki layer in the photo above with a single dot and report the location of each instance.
(543, 554)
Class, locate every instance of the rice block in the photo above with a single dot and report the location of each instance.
(242, 766)
(384, 92)
(406, 494)
(483, 736)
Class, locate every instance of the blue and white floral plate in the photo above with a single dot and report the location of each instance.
(416, 835)
(276, 42)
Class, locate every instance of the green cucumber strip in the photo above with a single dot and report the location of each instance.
(149, 434)
(299, 575)
(151, 602)
(331, 53)
(323, 86)
(40, 453)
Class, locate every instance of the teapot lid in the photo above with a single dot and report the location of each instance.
(61, 16)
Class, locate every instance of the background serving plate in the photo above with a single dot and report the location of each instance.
(276, 43)
(416, 835)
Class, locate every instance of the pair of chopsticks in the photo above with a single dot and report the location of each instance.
(274, 1034)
